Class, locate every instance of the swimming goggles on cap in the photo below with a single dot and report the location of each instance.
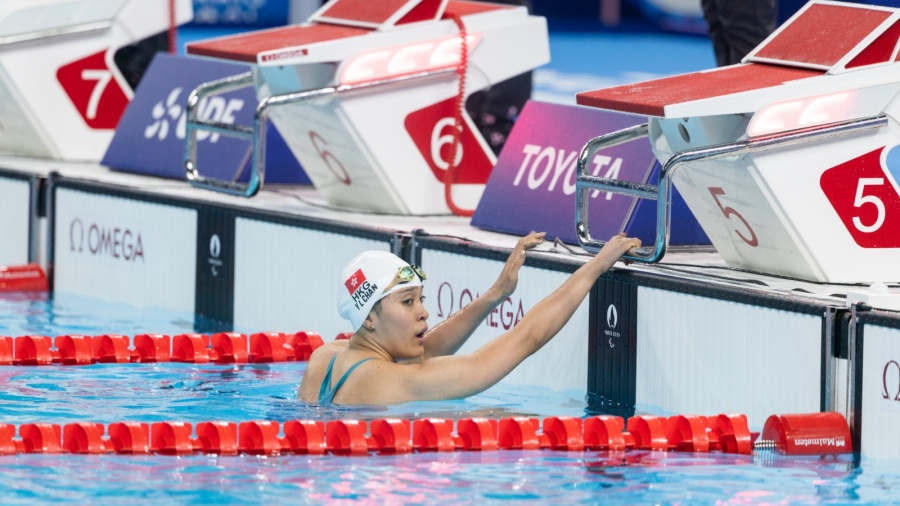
(405, 275)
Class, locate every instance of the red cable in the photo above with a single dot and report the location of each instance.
(173, 27)
(450, 176)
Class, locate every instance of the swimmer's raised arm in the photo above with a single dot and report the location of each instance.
(385, 363)
(449, 335)
(463, 375)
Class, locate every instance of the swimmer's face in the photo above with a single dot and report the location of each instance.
(400, 324)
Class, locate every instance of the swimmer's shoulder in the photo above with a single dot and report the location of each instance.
(316, 367)
(322, 355)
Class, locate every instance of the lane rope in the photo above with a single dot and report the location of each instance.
(796, 434)
(219, 348)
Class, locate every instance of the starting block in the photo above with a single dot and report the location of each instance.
(68, 69)
(790, 161)
(369, 96)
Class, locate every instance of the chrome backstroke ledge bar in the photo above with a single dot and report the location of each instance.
(256, 134)
(586, 182)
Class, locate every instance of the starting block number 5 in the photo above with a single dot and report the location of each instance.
(865, 200)
(732, 213)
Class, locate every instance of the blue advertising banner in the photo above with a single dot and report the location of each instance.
(532, 187)
(249, 13)
(150, 137)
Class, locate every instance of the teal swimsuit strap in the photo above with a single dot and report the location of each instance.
(326, 394)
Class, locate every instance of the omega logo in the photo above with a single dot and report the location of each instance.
(894, 389)
(102, 240)
(507, 315)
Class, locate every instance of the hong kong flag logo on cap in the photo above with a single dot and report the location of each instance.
(354, 281)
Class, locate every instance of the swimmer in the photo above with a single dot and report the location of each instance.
(394, 357)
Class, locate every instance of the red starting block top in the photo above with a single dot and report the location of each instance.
(822, 35)
(248, 47)
(651, 97)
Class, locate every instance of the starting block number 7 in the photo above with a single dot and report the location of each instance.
(101, 79)
(92, 89)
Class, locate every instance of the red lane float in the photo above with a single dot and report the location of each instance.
(217, 437)
(84, 437)
(221, 348)
(33, 350)
(171, 438)
(111, 349)
(151, 348)
(129, 438)
(190, 348)
(808, 433)
(6, 350)
(727, 433)
(231, 347)
(267, 347)
(40, 438)
(306, 437)
(23, 278)
(796, 434)
(8, 444)
(74, 349)
(304, 343)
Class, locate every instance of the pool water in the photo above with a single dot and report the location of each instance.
(108, 393)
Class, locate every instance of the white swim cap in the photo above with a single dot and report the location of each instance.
(364, 280)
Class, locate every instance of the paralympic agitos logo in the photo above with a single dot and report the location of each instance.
(864, 193)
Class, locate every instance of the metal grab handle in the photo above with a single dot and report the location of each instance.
(662, 191)
(194, 123)
(585, 182)
(257, 133)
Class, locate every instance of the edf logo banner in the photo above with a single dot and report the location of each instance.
(150, 138)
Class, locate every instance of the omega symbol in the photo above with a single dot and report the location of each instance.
(889, 389)
(76, 229)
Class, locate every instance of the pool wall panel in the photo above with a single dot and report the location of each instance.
(287, 277)
(699, 355)
(125, 250)
(458, 275)
(878, 386)
(15, 220)
(680, 346)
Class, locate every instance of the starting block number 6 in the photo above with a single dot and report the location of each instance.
(334, 165)
(438, 141)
